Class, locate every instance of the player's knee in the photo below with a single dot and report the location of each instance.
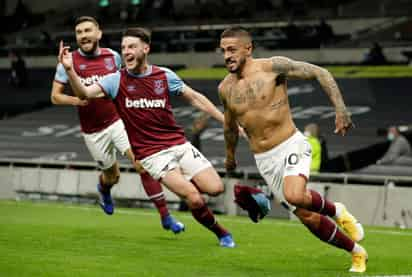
(306, 217)
(194, 200)
(112, 179)
(296, 199)
(217, 189)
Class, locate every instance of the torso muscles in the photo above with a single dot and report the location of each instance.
(260, 105)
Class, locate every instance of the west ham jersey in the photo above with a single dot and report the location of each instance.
(143, 102)
(100, 112)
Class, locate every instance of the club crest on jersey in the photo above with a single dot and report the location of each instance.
(130, 88)
(108, 62)
(159, 87)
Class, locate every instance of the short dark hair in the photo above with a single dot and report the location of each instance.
(142, 33)
(82, 19)
(236, 32)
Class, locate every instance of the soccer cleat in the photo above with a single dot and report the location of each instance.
(169, 223)
(227, 241)
(106, 201)
(359, 261)
(349, 224)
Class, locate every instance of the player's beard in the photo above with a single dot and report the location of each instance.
(91, 50)
(238, 66)
(140, 60)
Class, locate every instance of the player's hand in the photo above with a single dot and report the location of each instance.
(343, 122)
(81, 102)
(65, 56)
(139, 167)
(230, 164)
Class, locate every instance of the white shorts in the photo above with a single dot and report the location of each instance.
(290, 158)
(185, 156)
(102, 145)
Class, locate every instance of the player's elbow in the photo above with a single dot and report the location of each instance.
(54, 99)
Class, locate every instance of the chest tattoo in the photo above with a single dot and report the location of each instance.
(248, 94)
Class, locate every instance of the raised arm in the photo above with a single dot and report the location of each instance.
(302, 70)
(82, 91)
(231, 133)
(199, 101)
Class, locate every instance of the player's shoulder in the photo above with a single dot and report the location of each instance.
(225, 83)
(163, 69)
(109, 51)
(264, 64)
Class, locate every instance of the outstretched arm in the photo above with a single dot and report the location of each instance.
(83, 92)
(199, 101)
(302, 70)
(231, 133)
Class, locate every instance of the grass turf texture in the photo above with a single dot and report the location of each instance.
(337, 71)
(49, 239)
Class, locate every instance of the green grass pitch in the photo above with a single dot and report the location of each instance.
(50, 239)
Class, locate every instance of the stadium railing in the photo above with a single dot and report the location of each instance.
(375, 200)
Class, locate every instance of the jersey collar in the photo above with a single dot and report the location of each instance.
(95, 54)
(144, 74)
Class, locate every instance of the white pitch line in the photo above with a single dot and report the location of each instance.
(384, 276)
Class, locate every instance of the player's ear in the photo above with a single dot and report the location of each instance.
(99, 34)
(146, 48)
(249, 48)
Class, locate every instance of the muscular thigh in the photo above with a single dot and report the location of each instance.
(175, 181)
(208, 181)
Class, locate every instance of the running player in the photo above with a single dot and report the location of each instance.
(101, 126)
(254, 95)
(141, 93)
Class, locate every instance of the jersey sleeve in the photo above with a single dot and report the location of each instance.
(61, 75)
(110, 84)
(174, 82)
(117, 58)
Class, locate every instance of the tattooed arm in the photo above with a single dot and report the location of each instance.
(302, 70)
(230, 128)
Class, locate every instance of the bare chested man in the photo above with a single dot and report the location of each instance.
(254, 95)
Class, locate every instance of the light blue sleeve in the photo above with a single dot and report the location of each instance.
(61, 75)
(117, 58)
(110, 84)
(174, 82)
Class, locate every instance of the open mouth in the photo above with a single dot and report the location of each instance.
(129, 59)
(86, 42)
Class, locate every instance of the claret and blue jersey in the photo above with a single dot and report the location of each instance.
(143, 102)
(100, 112)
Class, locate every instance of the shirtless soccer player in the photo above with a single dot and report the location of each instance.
(142, 93)
(101, 126)
(254, 95)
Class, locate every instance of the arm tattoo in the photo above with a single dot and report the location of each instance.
(307, 71)
(231, 140)
(294, 69)
(329, 85)
(281, 65)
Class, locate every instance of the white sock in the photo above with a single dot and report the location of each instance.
(357, 248)
(338, 210)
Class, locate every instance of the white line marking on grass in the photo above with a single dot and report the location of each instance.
(384, 276)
